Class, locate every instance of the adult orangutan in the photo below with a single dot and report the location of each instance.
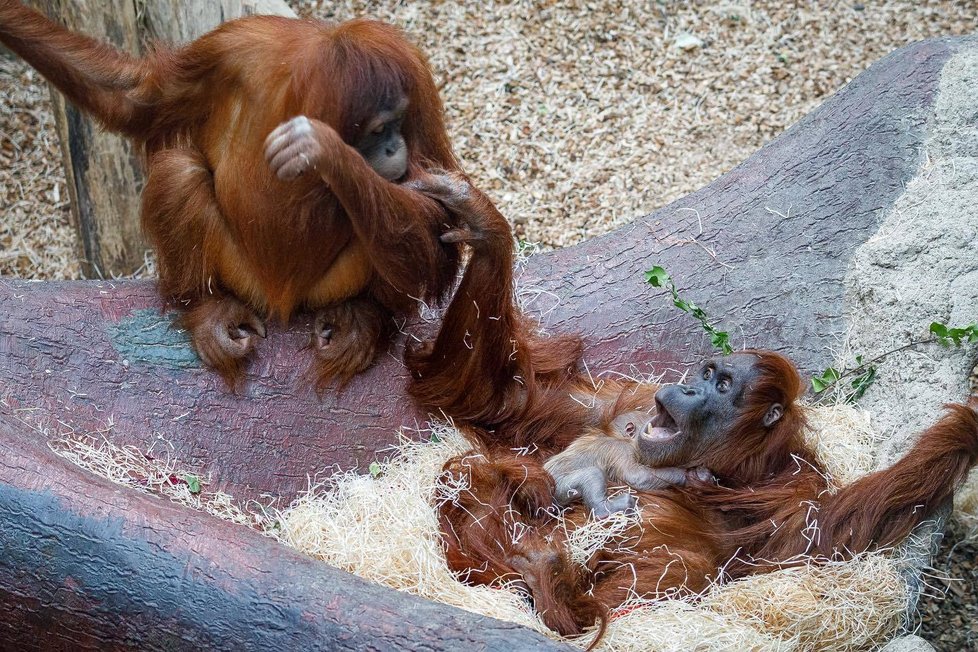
(739, 418)
(487, 367)
(771, 502)
(274, 148)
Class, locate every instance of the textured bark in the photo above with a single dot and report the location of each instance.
(88, 565)
(98, 356)
(102, 170)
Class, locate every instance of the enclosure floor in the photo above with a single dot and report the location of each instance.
(574, 117)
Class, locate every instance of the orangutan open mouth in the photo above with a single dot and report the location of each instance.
(662, 427)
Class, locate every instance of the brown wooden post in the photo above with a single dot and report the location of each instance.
(179, 22)
(104, 170)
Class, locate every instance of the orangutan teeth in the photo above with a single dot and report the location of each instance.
(660, 433)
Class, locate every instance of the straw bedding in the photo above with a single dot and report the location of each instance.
(383, 527)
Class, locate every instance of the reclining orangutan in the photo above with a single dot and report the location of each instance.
(739, 417)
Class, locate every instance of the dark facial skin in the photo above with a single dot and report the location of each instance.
(382, 144)
(693, 416)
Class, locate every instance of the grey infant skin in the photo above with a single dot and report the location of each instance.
(596, 460)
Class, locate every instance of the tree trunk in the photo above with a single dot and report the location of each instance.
(184, 21)
(102, 170)
(88, 565)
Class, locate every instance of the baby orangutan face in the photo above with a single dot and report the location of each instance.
(654, 445)
(630, 454)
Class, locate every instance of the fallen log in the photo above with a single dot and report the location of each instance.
(90, 565)
(764, 249)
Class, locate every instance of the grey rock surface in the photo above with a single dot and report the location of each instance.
(909, 643)
(921, 266)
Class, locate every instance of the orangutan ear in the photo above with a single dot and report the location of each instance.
(773, 414)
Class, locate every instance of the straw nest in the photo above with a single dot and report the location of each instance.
(383, 527)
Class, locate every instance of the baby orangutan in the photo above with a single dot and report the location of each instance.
(635, 453)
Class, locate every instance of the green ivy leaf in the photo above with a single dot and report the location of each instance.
(860, 384)
(947, 335)
(193, 483)
(657, 277)
(823, 382)
(721, 340)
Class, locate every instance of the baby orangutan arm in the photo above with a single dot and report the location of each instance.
(644, 478)
(590, 486)
(633, 453)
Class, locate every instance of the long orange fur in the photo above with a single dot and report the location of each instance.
(224, 228)
(521, 399)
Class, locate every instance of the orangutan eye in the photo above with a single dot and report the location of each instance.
(708, 373)
(630, 429)
(379, 129)
(723, 385)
